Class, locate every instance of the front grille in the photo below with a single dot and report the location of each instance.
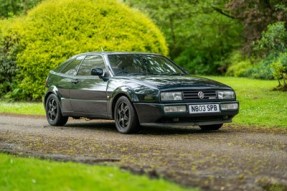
(193, 94)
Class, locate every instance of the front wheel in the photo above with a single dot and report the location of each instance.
(210, 127)
(53, 111)
(125, 116)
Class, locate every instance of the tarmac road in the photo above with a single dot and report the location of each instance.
(233, 158)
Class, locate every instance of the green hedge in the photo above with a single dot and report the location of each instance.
(9, 47)
(58, 29)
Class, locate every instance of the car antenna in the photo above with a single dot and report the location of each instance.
(102, 49)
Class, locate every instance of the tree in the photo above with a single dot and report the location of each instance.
(256, 15)
(199, 38)
(172, 17)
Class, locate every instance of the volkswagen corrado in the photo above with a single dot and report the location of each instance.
(135, 89)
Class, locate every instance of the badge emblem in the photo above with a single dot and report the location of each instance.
(200, 95)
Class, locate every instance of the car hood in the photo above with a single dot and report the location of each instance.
(171, 82)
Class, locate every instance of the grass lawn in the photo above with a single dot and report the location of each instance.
(24, 108)
(33, 174)
(259, 105)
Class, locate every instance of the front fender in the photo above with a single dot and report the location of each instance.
(136, 93)
(118, 92)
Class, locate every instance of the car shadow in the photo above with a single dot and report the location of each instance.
(109, 126)
(105, 125)
(176, 130)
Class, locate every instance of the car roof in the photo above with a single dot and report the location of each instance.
(111, 53)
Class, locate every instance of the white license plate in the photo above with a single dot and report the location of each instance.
(204, 108)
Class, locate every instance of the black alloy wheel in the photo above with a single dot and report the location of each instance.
(53, 111)
(210, 127)
(125, 116)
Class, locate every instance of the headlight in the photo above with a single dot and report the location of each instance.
(225, 94)
(171, 96)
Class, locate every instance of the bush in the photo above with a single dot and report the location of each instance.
(279, 67)
(239, 69)
(8, 53)
(262, 70)
(273, 40)
(238, 65)
(202, 62)
(57, 29)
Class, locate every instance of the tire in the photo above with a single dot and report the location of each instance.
(53, 111)
(211, 127)
(125, 116)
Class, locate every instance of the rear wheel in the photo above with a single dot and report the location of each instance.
(210, 127)
(125, 116)
(53, 111)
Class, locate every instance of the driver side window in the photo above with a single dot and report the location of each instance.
(90, 62)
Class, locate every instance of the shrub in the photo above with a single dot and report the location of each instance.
(58, 29)
(273, 45)
(279, 67)
(239, 69)
(262, 70)
(201, 62)
(273, 40)
(8, 52)
(238, 65)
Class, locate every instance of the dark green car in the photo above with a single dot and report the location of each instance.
(135, 89)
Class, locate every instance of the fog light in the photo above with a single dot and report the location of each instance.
(174, 109)
(229, 106)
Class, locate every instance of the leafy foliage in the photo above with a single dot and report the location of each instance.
(273, 40)
(280, 71)
(56, 30)
(8, 52)
(198, 37)
(238, 65)
(262, 70)
(15, 7)
(273, 45)
(256, 15)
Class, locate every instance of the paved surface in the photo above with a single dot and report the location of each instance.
(234, 158)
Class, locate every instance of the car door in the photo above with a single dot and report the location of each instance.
(66, 81)
(88, 93)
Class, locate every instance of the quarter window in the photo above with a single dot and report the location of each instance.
(90, 62)
(63, 65)
(73, 67)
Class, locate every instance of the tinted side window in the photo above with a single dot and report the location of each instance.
(63, 65)
(73, 67)
(90, 62)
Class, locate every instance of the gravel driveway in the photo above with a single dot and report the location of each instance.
(234, 158)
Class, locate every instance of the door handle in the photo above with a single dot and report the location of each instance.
(75, 81)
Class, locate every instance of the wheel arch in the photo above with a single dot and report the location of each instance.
(129, 93)
(51, 90)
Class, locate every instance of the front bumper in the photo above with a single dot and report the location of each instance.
(151, 114)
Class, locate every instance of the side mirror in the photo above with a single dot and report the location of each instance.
(97, 72)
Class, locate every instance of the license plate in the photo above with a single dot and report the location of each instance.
(204, 108)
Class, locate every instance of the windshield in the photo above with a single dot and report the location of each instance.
(142, 64)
